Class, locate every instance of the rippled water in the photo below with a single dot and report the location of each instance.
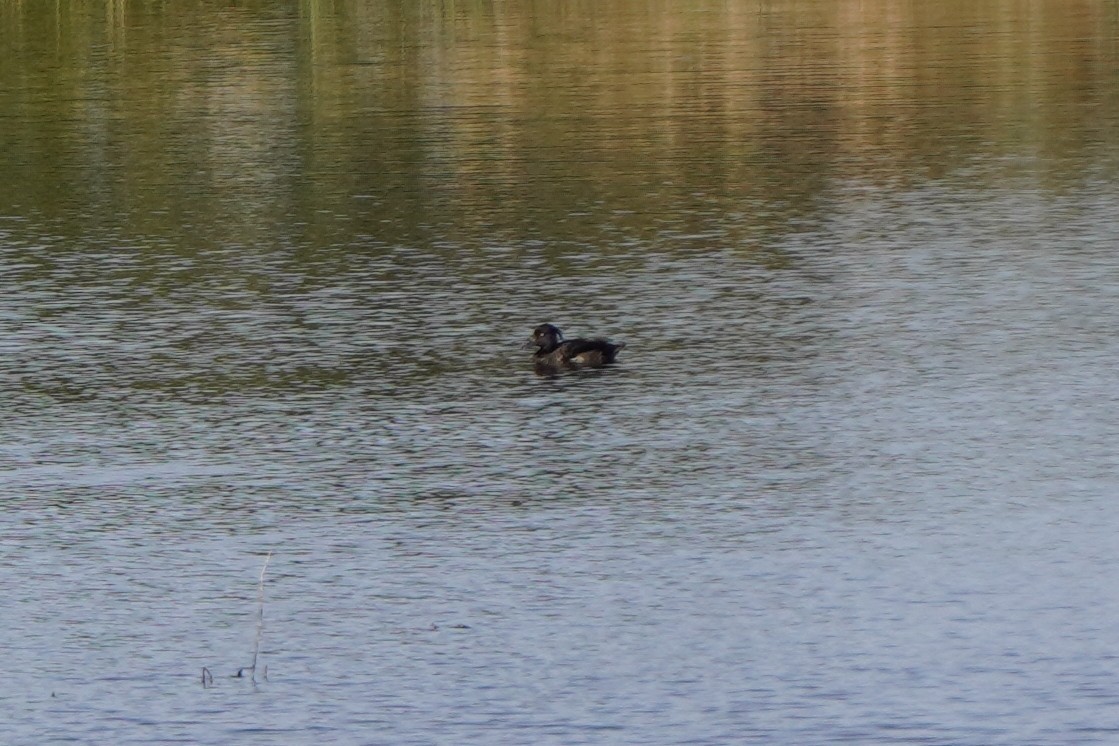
(852, 481)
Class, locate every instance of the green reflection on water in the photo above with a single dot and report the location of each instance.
(408, 122)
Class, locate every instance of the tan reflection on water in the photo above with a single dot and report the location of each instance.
(183, 110)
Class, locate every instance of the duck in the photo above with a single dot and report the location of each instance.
(554, 353)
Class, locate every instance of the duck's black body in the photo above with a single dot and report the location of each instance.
(554, 353)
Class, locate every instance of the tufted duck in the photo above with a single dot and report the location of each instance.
(554, 354)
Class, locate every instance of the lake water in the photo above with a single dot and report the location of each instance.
(266, 269)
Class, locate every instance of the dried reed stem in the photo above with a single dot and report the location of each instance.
(259, 622)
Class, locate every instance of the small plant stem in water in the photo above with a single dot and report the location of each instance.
(260, 618)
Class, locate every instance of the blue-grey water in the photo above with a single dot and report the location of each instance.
(852, 481)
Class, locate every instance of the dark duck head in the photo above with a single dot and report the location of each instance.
(553, 352)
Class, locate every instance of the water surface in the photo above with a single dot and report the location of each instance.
(266, 271)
